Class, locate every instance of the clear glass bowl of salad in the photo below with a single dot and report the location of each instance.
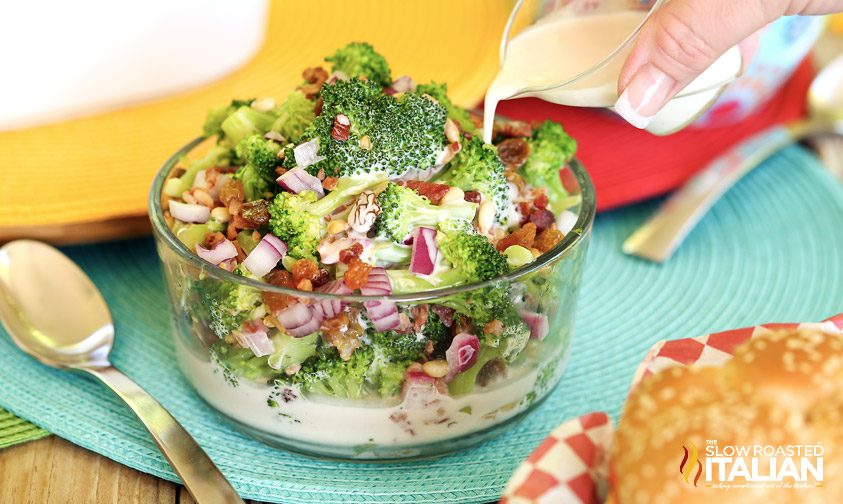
(333, 298)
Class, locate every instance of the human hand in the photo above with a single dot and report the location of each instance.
(684, 37)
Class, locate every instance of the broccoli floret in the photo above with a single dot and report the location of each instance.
(219, 155)
(471, 254)
(515, 335)
(297, 218)
(394, 352)
(387, 134)
(327, 374)
(217, 115)
(481, 305)
(403, 209)
(477, 168)
(550, 149)
(294, 116)
(224, 306)
(291, 221)
(260, 157)
(458, 114)
(359, 59)
(290, 351)
(243, 122)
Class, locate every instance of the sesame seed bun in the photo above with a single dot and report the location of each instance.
(777, 390)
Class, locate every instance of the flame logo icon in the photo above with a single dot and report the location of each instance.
(689, 460)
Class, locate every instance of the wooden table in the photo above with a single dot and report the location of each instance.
(55, 471)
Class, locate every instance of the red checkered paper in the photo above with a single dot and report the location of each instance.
(571, 465)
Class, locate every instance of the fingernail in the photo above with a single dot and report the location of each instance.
(646, 93)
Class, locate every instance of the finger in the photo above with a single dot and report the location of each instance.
(679, 42)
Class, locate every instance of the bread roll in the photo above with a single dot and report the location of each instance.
(781, 389)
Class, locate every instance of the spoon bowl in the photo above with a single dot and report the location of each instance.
(53, 312)
(76, 330)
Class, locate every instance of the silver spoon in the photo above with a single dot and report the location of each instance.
(53, 312)
(664, 231)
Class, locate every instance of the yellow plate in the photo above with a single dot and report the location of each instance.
(87, 179)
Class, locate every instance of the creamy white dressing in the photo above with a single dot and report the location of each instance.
(348, 423)
(559, 48)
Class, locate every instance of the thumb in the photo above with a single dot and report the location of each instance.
(678, 43)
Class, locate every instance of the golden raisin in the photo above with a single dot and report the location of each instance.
(352, 252)
(357, 274)
(306, 269)
(494, 327)
(275, 301)
(231, 190)
(524, 236)
(548, 239)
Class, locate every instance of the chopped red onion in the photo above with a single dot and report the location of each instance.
(265, 255)
(383, 314)
(537, 322)
(187, 212)
(462, 354)
(299, 320)
(254, 337)
(425, 251)
(329, 253)
(330, 308)
(307, 153)
(404, 84)
(298, 180)
(222, 251)
(419, 390)
(378, 283)
(566, 221)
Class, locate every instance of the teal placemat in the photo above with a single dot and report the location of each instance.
(771, 250)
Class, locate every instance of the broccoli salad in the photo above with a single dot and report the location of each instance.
(358, 183)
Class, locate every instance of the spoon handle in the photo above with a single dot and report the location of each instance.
(200, 475)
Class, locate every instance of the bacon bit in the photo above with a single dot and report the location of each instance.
(315, 77)
(305, 285)
(420, 315)
(352, 252)
(239, 222)
(543, 219)
(541, 200)
(341, 129)
(404, 324)
(231, 231)
(429, 347)
(524, 236)
(472, 196)
(330, 183)
(446, 315)
(317, 109)
(524, 209)
(310, 90)
(212, 239)
(357, 274)
(280, 171)
(274, 301)
(305, 269)
(241, 254)
(389, 91)
(462, 324)
(514, 152)
(511, 129)
(548, 239)
(495, 327)
(431, 190)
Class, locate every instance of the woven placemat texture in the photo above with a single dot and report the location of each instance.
(15, 430)
(770, 250)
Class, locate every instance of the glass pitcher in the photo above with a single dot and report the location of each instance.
(574, 50)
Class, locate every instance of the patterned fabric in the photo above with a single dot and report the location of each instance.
(570, 466)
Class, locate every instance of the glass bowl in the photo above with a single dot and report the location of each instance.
(424, 416)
